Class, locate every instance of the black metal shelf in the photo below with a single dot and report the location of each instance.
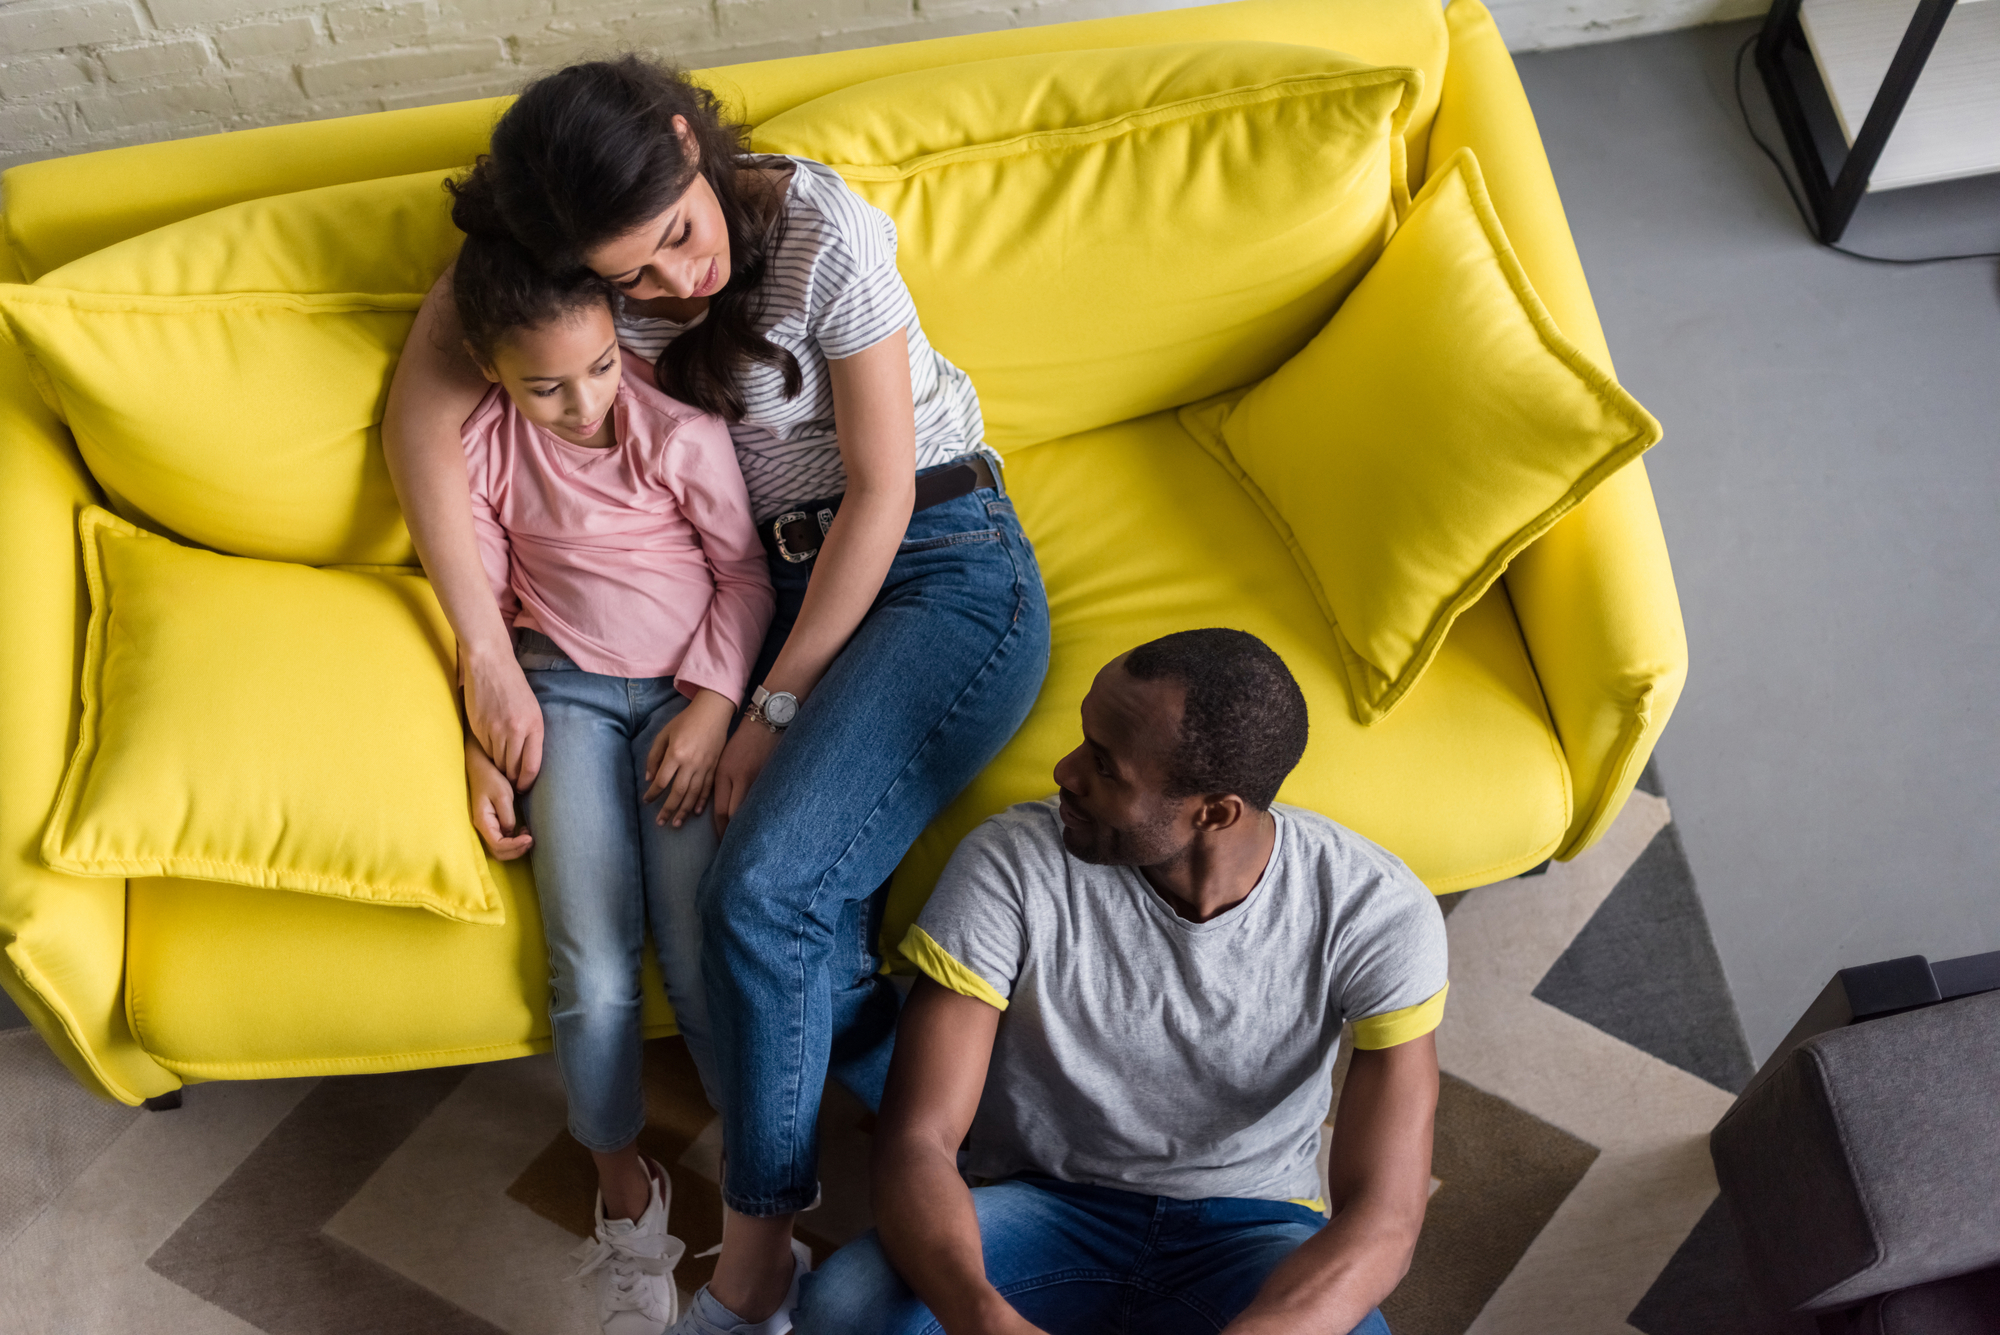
(1834, 174)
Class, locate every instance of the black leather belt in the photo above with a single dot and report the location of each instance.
(795, 535)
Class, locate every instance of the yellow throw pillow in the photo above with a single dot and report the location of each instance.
(1438, 425)
(270, 725)
(226, 375)
(1095, 235)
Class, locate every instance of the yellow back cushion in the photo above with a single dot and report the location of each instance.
(62, 208)
(1095, 235)
(270, 725)
(226, 375)
(1436, 427)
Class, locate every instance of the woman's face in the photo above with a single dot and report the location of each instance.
(563, 375)
(682, 254)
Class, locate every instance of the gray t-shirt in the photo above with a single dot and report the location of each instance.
(1142, 1051)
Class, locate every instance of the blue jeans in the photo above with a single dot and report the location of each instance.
(605, 874)
(932, 684)
(1077, 1260)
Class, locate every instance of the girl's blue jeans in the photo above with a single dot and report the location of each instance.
(606, 875)
(1078, 1260)
(933, 683)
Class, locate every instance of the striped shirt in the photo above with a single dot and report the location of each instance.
(831, 290)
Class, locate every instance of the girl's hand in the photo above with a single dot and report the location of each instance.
(742, 761)
(492, 801)
(682, 760)
(504, 715)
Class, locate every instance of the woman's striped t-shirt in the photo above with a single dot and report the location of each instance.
(831, 290)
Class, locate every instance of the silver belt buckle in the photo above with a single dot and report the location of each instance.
(825, 518)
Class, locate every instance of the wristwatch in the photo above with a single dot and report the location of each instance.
(774, 709)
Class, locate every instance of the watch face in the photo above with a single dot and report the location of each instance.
(781, 708)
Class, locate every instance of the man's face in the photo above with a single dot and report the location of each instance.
(1115, 811)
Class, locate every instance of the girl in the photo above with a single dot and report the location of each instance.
(615, 533)
(912, 631)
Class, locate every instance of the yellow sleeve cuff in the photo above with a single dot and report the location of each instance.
(1386, 1031)
(939, 966)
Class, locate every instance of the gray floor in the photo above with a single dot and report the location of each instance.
(1830, 485)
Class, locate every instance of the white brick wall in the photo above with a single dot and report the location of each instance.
(77, 75)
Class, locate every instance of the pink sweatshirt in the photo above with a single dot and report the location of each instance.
(638, 560)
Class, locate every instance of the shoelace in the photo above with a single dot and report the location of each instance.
(626, 1266)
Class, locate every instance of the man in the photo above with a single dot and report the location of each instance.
(1133, 1001)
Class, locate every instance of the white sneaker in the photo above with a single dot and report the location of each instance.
(706, 1316)
(634, 1263)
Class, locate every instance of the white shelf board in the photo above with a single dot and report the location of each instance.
(1951, 125)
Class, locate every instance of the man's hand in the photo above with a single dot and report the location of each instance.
(491, 798)
(681, 762)
(503, 714)
(1380, 1181)
(742, 761)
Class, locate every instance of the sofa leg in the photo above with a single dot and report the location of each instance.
(166, 1102)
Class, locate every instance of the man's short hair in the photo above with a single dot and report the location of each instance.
(1244, 725)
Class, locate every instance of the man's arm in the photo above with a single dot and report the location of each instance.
(1380, 1180)
(923, 1209)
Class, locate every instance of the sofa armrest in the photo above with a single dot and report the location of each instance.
(1595, 596)
(62, 938)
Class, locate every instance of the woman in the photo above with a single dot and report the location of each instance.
(911, 631)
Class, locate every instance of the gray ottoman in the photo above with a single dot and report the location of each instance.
(1862, 1167)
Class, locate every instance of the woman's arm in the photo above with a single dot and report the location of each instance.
(876, 421)
(875, 418)
(435, 388)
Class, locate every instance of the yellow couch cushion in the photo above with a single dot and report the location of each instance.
(268, 725)
(62, 208)
(1437, 426)
(225, 376)
(1096, 235)
(229, 983)
(1139, 532)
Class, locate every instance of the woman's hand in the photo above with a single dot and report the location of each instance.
(504, 715)
(491, 798)
(683, 757)
(742, 761)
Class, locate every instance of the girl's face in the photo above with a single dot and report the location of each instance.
(682, 254)
(563, 375)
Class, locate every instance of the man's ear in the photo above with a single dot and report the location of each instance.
(479, 361)
(1216, 814)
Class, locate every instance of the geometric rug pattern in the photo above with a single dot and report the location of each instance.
(1588, 1047)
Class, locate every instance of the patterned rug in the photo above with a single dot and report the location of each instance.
(1589, 1045)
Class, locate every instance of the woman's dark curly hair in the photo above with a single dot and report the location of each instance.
(589, 153)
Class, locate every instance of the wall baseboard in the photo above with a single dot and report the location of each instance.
(1541, 25)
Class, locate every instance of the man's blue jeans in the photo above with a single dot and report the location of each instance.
(606, 874)
(929, 688)
(1077, 1260)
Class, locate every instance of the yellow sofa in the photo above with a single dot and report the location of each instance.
(1521, 743)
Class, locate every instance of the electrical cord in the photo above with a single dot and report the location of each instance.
(1798, 201)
